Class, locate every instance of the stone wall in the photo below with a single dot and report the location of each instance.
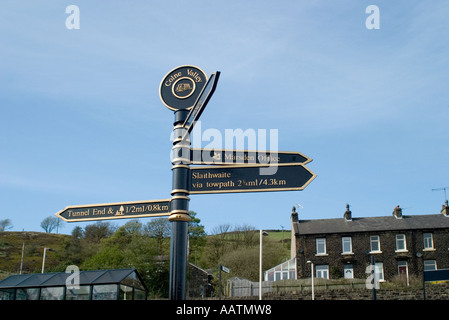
(433, 292)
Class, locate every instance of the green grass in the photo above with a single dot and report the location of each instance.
(279, 235)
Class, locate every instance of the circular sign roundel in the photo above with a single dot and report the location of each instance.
(180, 87)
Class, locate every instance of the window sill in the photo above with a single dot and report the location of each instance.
(401, 251)
(429, 249)
(321, 255)
(347, 253)
(375, 252)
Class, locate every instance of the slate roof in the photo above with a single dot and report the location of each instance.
(36, 280)
(340, 225)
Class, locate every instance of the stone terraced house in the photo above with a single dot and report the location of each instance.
(402, 245)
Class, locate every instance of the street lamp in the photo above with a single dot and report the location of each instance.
(43, 260)
(311, 274)
(261, 234)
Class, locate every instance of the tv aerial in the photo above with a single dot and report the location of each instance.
(444, 189)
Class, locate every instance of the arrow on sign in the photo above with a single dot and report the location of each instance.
(119, 210)
(247, 178)
(228, 156)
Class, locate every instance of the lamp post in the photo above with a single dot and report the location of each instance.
(420, 255)
(43, 259)
(21, 260)
(312, 277)
(261, 234)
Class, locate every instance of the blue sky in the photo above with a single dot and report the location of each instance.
(81, 121)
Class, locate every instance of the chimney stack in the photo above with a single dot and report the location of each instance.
(348, 214)
(294, 215)
(445, 209)
(397, 212)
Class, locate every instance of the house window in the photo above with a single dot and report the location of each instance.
(346, 245)
(401, 243)
(428, 241)
(430, 265)
(375, 244)
(379, 270)
(321, 246)
(322, 271)
(348, 271)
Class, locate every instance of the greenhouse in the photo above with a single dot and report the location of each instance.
(118, 284)
(283, 271)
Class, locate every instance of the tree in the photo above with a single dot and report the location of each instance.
(197, 237)
(244, 236)
(133, 227)
(5, 224)
(50, 223)
(97, 231)
(196, 230)
(217, 244)
(159, 229)
(77, 232)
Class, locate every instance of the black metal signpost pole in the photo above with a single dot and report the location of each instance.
(179, 90)
(179, 215)
(184, 90)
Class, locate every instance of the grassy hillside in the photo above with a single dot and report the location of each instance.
(11, 251)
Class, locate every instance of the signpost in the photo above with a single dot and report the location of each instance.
(225, 269)
(247, 178)
(186, 91)
(118, 210)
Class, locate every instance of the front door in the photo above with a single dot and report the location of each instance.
(348, 271)
(402, 270)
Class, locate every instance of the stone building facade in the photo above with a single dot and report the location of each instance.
(199, 284)
(402, 246)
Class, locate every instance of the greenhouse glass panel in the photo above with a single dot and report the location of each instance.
(104, 292)
(7, 294)
(78, 294)
(27, 294)
(52, 293)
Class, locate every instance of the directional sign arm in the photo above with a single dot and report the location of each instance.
(230, 156)
(225, 269)
(248, 178)
(201, 102)
(119, 210)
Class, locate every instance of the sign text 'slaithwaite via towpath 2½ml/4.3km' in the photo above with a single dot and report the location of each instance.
(247, 178)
